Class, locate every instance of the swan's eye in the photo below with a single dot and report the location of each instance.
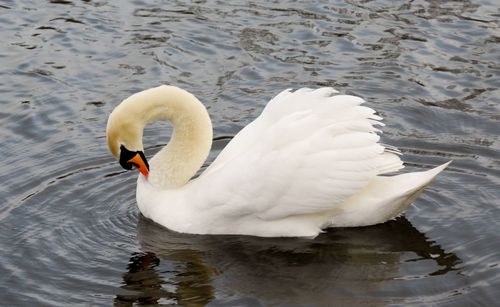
(133, 159)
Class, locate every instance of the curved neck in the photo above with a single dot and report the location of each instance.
(176, 163)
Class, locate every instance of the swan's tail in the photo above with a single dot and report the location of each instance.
(384, 198)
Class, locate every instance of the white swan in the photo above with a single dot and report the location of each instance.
(310, 161)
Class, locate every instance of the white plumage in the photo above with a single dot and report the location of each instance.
(311, 160)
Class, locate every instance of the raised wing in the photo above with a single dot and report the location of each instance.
(306, 153)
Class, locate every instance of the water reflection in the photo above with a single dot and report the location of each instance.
(144, 281)
(336, 267)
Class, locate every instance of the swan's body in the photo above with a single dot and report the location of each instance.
(310, 161)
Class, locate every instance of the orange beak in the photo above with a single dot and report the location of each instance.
(139, 164)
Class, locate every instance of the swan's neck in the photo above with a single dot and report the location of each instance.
(176, 163)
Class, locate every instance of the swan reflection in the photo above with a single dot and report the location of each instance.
(343, 265)
(185, 283)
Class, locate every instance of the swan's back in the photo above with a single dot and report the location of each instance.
(304, 156)
(295, 116)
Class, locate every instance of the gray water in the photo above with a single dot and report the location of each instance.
(70, 231)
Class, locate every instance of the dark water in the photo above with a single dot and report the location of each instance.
(70, 233)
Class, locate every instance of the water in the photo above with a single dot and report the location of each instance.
(70, 232)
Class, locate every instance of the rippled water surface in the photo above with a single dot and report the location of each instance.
(70, 232)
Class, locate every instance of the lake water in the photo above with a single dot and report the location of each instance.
(70, 231)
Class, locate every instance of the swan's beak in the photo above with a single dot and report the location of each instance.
(139, 163)
(134, 159)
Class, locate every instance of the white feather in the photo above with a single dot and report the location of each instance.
(311, 160)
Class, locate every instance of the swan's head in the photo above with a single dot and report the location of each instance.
(124, 136)
(178, 162)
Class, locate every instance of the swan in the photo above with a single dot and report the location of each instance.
(310, 161)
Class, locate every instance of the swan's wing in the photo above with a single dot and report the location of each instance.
(307, 152)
